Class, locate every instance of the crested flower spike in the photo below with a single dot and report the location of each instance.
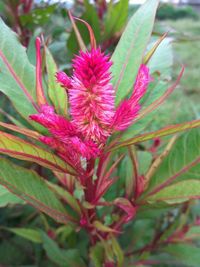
(92, 108)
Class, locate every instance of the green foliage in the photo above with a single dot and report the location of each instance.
(115, 18)
(128, 54)
(17, 77)
(7, 198)
(148, 214)
(169, 11)
(29, 186)
(59, 256)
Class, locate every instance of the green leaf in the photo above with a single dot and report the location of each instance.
(103, 228)
(129, 52)
(17, 76)
(115, 18)
(172, 129)
(90, 16)
(193, 233)
(180, 164)
(7, 198)
(29, 234)
(187, 255)
(69, 258)
(66, 196)
(21, 149)
(56, 92)
(97, 255)
(118, 252)
(29, 186)
(162, 59)
(177, 193)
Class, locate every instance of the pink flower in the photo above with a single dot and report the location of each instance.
(93, 114)
(92, 96)
(129, 108)
(65, 138)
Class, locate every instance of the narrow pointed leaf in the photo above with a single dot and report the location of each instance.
(41, 99)
(103, 228)
(20, 149)
(77, 33)
(27, 233)
(151, 52)
(25, 131)
(159, 133)
(129, 52)
(177, 193)
(29, 186)
(57, 93)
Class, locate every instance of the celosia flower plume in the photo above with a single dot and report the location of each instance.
(92, 108)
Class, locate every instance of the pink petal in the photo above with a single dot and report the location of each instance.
(63, 79)
(129, 108)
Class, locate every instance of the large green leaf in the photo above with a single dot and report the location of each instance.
(17, 76)
(129, 52)
(182, 162)
(177, 193)
(21, 149)
(29, 186)
(56, 92)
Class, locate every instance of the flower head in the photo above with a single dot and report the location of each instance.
(93, 114)
(91, 95)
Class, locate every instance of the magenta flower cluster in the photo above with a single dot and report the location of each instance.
(93, 116)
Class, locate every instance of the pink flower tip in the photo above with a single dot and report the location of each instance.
(63, 79)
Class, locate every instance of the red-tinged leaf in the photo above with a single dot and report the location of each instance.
(101, 190)
(177, 193)
(20, 149)
(172, 129)
(92, 37)
(29, 186)
(25, 131)
(77, 33)
(103, 228)
(104, 181)
(66, 180)
(153, 49)
(41, 100)
(127, 206)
